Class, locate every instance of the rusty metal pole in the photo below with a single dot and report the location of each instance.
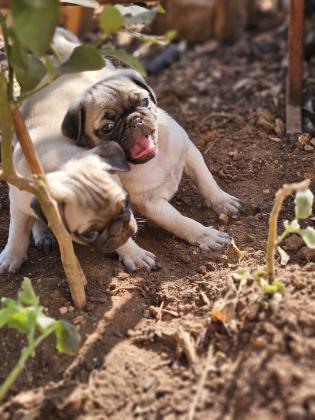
(295, 67)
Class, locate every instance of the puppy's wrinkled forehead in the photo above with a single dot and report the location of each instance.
(113, 97)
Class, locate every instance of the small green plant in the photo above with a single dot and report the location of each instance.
(265, 277)
(27, 317)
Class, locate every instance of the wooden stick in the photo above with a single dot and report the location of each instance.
(295, 67)
(74, 273)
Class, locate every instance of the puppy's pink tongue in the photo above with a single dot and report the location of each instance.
(142, 148)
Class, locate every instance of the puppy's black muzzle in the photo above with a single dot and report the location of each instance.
(116, 234)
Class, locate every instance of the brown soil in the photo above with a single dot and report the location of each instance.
(137, 362)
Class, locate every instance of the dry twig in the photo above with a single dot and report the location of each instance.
(201, 384)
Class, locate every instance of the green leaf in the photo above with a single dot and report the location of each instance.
(308, 236)
(4, 316)
(85, 3)
(111, 20)
(303, 204)
(259, 274)
(271, 289)
(34, 23)
(83, 58)
(151, 39)
(22, 319)
(128, 59)
(292, 227)
(28, 69)
(27, 295)
(68, 338)
(9, 307)
(243, 275)
(44, 322)
(138, 15)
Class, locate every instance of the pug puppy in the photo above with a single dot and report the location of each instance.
(118, 105)
(93, 206)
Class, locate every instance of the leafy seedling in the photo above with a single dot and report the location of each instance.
(26, 316)
(265, 277)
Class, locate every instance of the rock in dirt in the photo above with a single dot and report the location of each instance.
(296, 412)
(306, 254)
(304, 139)
(63, 310)
(279, 127)
(264, 124)
(185, 259)
(308, 148)
(293, 243)
(78, 319)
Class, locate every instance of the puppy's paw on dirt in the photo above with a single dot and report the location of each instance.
(134, 258)
(10, 262)
(227, 204)
(212, 239)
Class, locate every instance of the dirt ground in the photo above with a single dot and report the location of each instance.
(148, 338)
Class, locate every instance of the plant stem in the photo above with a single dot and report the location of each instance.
(25, 354)
(282, 237)
(6, 127)
(74, 273)
(281, 194)
(4, 28)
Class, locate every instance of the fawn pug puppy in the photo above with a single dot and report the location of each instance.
(118, 105)
(94, 207)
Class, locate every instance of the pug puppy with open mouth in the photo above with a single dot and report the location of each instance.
(118, 105)
(92, 203)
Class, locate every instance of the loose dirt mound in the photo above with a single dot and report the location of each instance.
(149, 337)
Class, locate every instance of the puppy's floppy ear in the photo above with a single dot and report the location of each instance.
(113, 155)
(136, 78)
(35, 205)
(74, 122)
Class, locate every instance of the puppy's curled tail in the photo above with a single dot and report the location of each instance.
(65, 42)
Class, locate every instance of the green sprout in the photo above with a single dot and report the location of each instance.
(27, 317)
(265, 277)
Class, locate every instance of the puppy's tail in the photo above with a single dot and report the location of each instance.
(64, 43)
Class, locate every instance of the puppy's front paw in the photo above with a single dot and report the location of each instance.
(227, 204)
(135, 258)
(212, 239)
(10, 262)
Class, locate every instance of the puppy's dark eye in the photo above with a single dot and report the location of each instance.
(107, 128)
(145, 102)
(89, 235)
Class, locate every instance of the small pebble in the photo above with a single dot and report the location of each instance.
(185, 258)
(146, 314)
(304, 139)
(123, 276)
(63, 310)
(308, 148)
(78, 319)
(223, 218)
(296, 412)
(293, 243)
(260, 343)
